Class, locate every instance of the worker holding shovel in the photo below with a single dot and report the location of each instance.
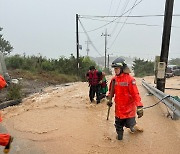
(127, 99)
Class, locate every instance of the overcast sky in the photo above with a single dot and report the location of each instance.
(48, 27)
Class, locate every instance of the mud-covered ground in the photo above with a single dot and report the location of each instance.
(61, 120)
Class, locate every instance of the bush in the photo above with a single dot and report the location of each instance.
(14, 92)
(14, 62)
(143, 68)
(47, 66)
(40, 64)
(175, 61)
(85, 63)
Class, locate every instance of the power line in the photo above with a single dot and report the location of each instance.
(133, 16)
(126, 22)
(129, 23)
(122, 26)
(118, 7)
(110, 7)
(116, 11)
(117, 17)
(125, 6)
(89, 38)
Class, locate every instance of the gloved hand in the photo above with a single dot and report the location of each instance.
(140, 111)
(109, 103)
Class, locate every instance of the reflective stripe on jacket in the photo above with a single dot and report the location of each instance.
(127, 96)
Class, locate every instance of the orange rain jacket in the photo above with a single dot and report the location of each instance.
(2, 82)
(127, 97)
(4, 138)
(2, 85)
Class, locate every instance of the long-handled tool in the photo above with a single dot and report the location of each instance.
(108, 113)
(111, 96)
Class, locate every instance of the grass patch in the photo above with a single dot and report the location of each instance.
(42, 76)
(14, 92)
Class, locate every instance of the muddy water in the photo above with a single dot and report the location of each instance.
(62, 121)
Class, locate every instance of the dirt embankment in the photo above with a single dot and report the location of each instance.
(29, 83)
(62, 120)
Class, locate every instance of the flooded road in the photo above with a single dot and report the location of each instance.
(62, 120)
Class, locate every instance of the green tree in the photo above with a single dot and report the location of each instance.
(5, 46)
(14, 62)
(85, 63)
(143, 68)
(175, 61)
(62, 65)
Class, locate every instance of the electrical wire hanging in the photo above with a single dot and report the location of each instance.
(116, 11)
(116, 18)
(131, 23)
(132, 16)
(110, 7)
(115, 27)
(118, 7)
(122, 25)
(138, 24)
(157, 102)
(89, 38)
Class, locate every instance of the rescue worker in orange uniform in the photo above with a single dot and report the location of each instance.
(5, 139)
(94, 78)
(127, 99)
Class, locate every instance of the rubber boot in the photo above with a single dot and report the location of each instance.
(8, 146)
(136, 129)
(98, 101)
(92, 99)
(120, 135)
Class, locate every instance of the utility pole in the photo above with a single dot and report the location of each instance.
(165, 40)
(87, 49)
(105, 35)
(108, 60)
(77, 43)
